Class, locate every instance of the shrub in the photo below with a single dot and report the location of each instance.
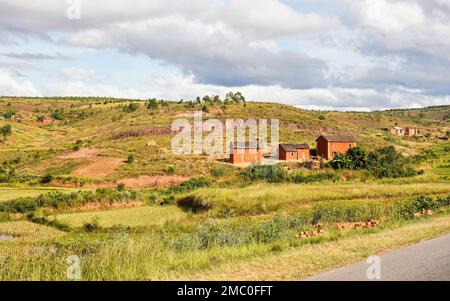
(120, 187)
(46, 179)
(58, 200)
(6, 131)
(269, 173)
(58, 114)
(192, 184)
(194, 204)
(152, 104)
(218, 171)
(131, 107)
(91, 226)
(130, 159)
(171, 169)
(271, 231)
(9, 114)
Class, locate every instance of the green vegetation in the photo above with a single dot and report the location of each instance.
(382, 163)
(194, 216)
(6, 131)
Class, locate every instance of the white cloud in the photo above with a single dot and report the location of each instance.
(79, 74)
(11, 87)
(187, 89)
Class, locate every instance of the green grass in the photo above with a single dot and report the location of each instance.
(7, 194)
(262, 198)
(146, 216)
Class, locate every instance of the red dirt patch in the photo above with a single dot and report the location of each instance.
(153, 181)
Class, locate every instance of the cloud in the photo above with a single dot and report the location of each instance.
(365, 54)
(407, 26)
(11, 87)
(213, 40)
(213, 53)
(36, 56)
(362, 99)
(79, 74)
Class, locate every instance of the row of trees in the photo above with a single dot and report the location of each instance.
(230, 98)
(384, 162)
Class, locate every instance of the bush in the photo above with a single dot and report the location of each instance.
(130, 159)
(58, 114)
(269, 173)
(91, 226)
(382, 163)
(131, 107)
(9, 114)
(171, 169)
(59, 200)
(192, 184)
(152, 104)
(46, 179)
(218, 171)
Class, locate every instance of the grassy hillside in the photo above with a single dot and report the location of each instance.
(103, 125)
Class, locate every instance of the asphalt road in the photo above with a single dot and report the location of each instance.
(426, 261)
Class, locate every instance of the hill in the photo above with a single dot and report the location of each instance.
(88, 140)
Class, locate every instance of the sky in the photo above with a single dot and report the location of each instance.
(313, 54)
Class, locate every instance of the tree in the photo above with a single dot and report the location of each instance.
(6, 131)
(341, 161)
(152, 104)
(358, 157)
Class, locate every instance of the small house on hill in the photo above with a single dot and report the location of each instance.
(15, 118)
(411, 132)
(398, 131)
(246, 152)
(294, 152)
(329, 145)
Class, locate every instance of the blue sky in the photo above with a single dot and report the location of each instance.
(342, 54)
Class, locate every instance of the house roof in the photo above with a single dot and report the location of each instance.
(338, 138)
(293, 147)
(246, 145)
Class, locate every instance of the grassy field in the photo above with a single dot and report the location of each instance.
(146, 216)
(7, 194)
(263, 198)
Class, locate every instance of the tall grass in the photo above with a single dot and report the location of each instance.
(263, 198)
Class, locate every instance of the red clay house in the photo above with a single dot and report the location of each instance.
(246, 153)
(294, 152)
(410, 131)
(329, 145)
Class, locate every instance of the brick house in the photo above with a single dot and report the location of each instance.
(410, 132)
(329, 145)
(15, 118)
(398, 131)
(246, 152)
(294, 152)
